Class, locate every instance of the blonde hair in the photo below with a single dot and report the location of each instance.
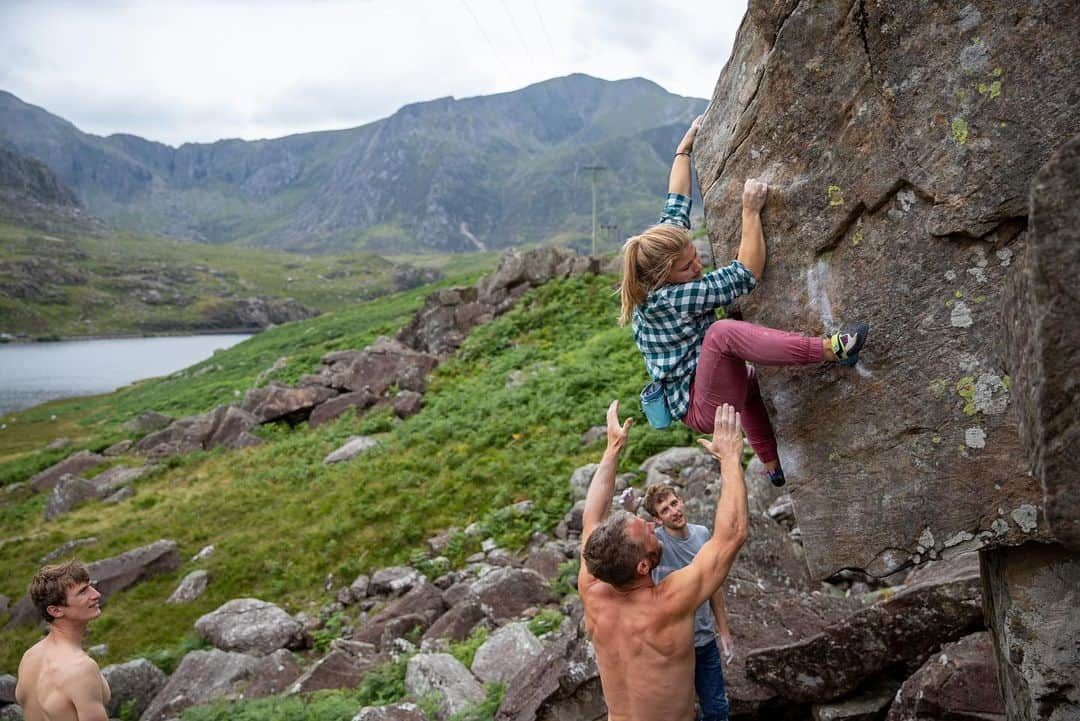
(647, 261)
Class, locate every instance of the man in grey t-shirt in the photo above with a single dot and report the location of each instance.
(681, 542)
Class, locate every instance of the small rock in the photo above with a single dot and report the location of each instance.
(352, 448)
(204, 553)
(193, 586)
(58, 443)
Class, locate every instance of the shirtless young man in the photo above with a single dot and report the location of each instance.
(643, 633)
(58, 681)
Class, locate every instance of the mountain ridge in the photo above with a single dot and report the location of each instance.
(444, 174)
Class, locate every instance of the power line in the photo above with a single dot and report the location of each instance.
(481, 29)
(517, 32)
(543, 26)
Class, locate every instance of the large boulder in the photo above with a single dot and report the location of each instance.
(889, 136)
(904, 626)
(403, 711)
(135, 682)
(394, 580)
(383, 364)
(276, 402)
(509, 591)
(505, 653)
(226, 426)
(458, 623)
(249, 625)
(74, 464)
(201, 677)
(328, 410)
(444, 677)
(1031, 595)
(959, 683)
(69, 492)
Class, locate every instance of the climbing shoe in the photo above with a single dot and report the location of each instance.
(847, 343)
(776, 476)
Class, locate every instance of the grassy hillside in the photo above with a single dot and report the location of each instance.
(281, 521)
(76, 283)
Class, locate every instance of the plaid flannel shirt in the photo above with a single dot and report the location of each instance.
(670, 324)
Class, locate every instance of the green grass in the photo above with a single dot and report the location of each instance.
(282, 521)
(104, 303)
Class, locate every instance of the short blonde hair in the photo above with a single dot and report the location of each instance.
(647, 261)
(50, 585)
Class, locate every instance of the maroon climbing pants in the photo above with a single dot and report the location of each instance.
(723, 376)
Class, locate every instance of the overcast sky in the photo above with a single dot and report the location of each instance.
(200, 71)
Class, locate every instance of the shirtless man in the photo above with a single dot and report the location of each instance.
(643, 633)
(58, 681)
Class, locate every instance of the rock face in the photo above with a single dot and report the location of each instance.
(201, 677)
(136, 681)
(960, 682)
(1043, 321)
(1031, 595)
(248, 625)
(889, 136)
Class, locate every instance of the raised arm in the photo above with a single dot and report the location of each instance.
(602, 486)
(679, 180)
(689, 587)
(752, 245)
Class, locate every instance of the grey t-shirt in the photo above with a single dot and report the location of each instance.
(678, 553)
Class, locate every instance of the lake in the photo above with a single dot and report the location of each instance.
(32, 373)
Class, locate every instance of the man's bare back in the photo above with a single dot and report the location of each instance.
(643, 634)
(646, 658)
(52, 676)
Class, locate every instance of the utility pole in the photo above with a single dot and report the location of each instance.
(595, 169)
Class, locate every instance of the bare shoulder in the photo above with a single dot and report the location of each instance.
(80, 667)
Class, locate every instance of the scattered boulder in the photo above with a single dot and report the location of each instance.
(334, 407)
(351, 449)
(66, 548)
(906, 625)
(444, 322)
(201, 677)
(505, 653)
(58, 444)
(442, 675)
(7, 688)
(593, 435)
(509, 591)
(11, 713)
(227, 426)
(403, 711)
(118, 449)
(122, 495)
(115, 478)
(546, 560)
(343, 667)
(580, 480)
(248, 625)
(394, 580)
(74, 465)
(959, 682)
(135, 682)
(424, 601)
(273, 674)
(193, 586)
(407, 403)
(458, 623)
(69, 492)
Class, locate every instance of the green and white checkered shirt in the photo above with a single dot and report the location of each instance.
(670, 324)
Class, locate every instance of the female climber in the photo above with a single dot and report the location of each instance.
(699, 363)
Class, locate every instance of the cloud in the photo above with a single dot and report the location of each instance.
(199, 70)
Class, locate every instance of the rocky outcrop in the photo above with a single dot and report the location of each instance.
(343, 667)
(227, 426)
(249, 625)
(273, 675)
(251, 313)
(135, 682)
(1031, 597)
(898, 175)
(510, 591)
(201, 677)
(276, 402)
(904, 626)
(419, 608)
(959, 682)
(441, 326)
(384, 363)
